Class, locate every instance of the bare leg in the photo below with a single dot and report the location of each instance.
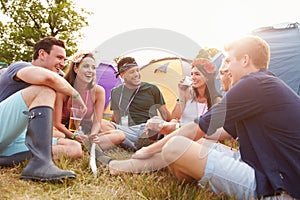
(190, 131)
(110, 138)
(58, 134)
(137, 165)
(176, 150)
(107, 125)
(70, 148)
(187, 158)
(38, 96)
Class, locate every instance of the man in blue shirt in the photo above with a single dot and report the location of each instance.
(263, 112)
(259, 109)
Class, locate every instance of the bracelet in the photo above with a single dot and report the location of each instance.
(76, 96)
(177, 126)
(179, 100)
(73, 136)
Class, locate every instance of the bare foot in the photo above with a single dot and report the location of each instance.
(114, 172)
(143, 153)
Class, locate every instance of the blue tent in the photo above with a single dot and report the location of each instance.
(284, 41)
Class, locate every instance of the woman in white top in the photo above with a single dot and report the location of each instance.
(198, 96)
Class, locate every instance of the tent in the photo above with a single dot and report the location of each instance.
(284, 41)
(106, 77)
(3, 67)
(166, 73)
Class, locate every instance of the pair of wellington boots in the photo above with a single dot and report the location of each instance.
(39, 141)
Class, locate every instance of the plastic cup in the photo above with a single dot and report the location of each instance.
(76, 116)
(156, 124)
(187, 81)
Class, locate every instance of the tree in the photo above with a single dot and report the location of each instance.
(207, 53)
(31, 20)
(203, 54)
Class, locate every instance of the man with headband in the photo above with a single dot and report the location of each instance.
(134, 102)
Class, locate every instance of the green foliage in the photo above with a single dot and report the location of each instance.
(207, 53)
(31, 20)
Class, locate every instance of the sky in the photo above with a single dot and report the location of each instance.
(209, 23)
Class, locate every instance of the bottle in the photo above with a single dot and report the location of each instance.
(80, 134)
(80, 131)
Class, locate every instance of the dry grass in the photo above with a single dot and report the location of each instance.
(156, 185)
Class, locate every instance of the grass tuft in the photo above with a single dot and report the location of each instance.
(156, 185)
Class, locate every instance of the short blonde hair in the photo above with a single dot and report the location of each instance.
(255, 47)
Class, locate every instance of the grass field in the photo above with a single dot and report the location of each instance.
(156, 185)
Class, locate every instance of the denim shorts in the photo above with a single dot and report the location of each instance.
(225, 172)
(132, 132)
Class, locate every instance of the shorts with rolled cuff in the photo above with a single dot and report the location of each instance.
(225, 172)
(132, 132)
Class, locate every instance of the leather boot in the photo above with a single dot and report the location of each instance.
(39, 141)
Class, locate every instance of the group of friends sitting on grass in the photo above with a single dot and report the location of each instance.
(257, 108)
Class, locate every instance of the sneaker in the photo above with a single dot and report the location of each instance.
(101, 156)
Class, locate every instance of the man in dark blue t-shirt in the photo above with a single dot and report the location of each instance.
(261, 111)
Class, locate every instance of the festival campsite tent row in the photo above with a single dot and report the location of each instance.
(284, 41)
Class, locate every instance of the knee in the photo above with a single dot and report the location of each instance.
(42, 88)
(75, 149)
(121, 135)
(107, 125)
(172, 149)
(37, 92)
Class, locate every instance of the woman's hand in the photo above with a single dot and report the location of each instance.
(183, 89)
(181, 86)
(96, 137)
(81, 137)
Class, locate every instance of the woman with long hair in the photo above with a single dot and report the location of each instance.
(81, 75)
(196, 97)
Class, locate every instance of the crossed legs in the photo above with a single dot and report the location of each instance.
(150, 158)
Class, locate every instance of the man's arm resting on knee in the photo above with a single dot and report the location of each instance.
(41, 76)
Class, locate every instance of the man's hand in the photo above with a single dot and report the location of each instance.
(163, 127)
(154, 124)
